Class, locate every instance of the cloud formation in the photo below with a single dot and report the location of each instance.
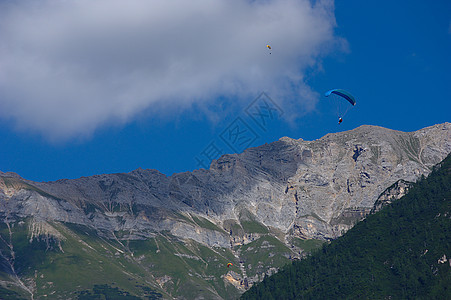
(68, 67)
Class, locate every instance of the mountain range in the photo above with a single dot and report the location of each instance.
(145, 235)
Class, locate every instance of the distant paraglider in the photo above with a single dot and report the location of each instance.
(341, 99)
(229, 265)
(269, 47)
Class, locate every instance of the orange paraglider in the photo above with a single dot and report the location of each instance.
(269, 47)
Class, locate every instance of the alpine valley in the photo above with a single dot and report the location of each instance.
(145, 235)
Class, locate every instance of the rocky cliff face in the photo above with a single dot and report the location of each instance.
(311, 189)
(290, 188)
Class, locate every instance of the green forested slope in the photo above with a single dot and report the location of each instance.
(401, 252)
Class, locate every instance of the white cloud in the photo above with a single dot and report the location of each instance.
(68, 67)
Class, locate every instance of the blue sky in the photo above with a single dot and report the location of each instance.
(92, 87)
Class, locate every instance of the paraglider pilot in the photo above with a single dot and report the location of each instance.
(342, 95)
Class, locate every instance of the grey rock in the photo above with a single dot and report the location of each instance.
(307, 189)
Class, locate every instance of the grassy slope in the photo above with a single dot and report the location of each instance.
(89, 266)
(162, 266)
(89, 261)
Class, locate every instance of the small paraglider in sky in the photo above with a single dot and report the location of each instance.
(269, 47)
(229, 265)
(341, 99)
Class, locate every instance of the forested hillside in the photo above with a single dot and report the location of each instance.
(401, 252)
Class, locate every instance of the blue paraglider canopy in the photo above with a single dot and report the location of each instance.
(342, 93)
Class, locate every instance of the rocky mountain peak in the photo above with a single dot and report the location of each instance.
(288, 184)
(275, 196)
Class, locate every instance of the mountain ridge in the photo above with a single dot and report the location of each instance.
(284, 138)
(284, 195)
(256, 167)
